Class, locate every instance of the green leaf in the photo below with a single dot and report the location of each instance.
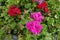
(50, 21)
(44, 27)
(28, 5)
(8, 37)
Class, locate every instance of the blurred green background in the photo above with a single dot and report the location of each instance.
(10, 26)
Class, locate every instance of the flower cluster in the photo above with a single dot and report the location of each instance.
(34, 26)
(13, 11)
(39, 1)
(43, 6)
(37, 16)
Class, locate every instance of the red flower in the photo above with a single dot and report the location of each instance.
(43, 5)
(13, 11)
(46, 10)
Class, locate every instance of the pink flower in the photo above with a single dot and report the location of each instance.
(39, 1)
(34, 27)
(37, 16)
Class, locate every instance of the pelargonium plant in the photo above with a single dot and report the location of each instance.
(29, 20)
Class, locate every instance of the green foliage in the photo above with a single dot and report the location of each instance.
(51, 24)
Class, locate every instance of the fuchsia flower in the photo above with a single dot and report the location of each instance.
(39, 1)
(13, 11)
(34, 27)
(37, 16)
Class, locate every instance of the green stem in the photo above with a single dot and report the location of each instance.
(35, 37)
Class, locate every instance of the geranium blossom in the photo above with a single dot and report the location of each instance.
(13, 11)
(37, 16)
(43, 6)
(38, 1)
(34, 27)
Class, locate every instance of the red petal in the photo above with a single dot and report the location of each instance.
(42, 5)
(46, 10)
